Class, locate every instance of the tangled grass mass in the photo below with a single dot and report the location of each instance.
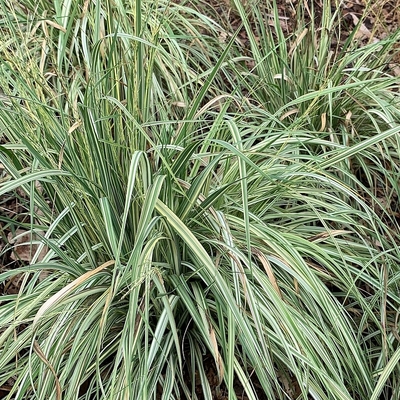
(198, 197)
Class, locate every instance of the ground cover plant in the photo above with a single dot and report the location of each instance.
(207, 220)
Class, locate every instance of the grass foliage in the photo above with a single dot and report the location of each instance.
(199, 199)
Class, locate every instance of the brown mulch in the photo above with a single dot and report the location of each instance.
(382, 20)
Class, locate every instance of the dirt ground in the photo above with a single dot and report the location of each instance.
(382, 18)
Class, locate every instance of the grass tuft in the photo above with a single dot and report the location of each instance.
(202, 204)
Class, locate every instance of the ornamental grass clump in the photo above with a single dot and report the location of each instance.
(191, 218)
